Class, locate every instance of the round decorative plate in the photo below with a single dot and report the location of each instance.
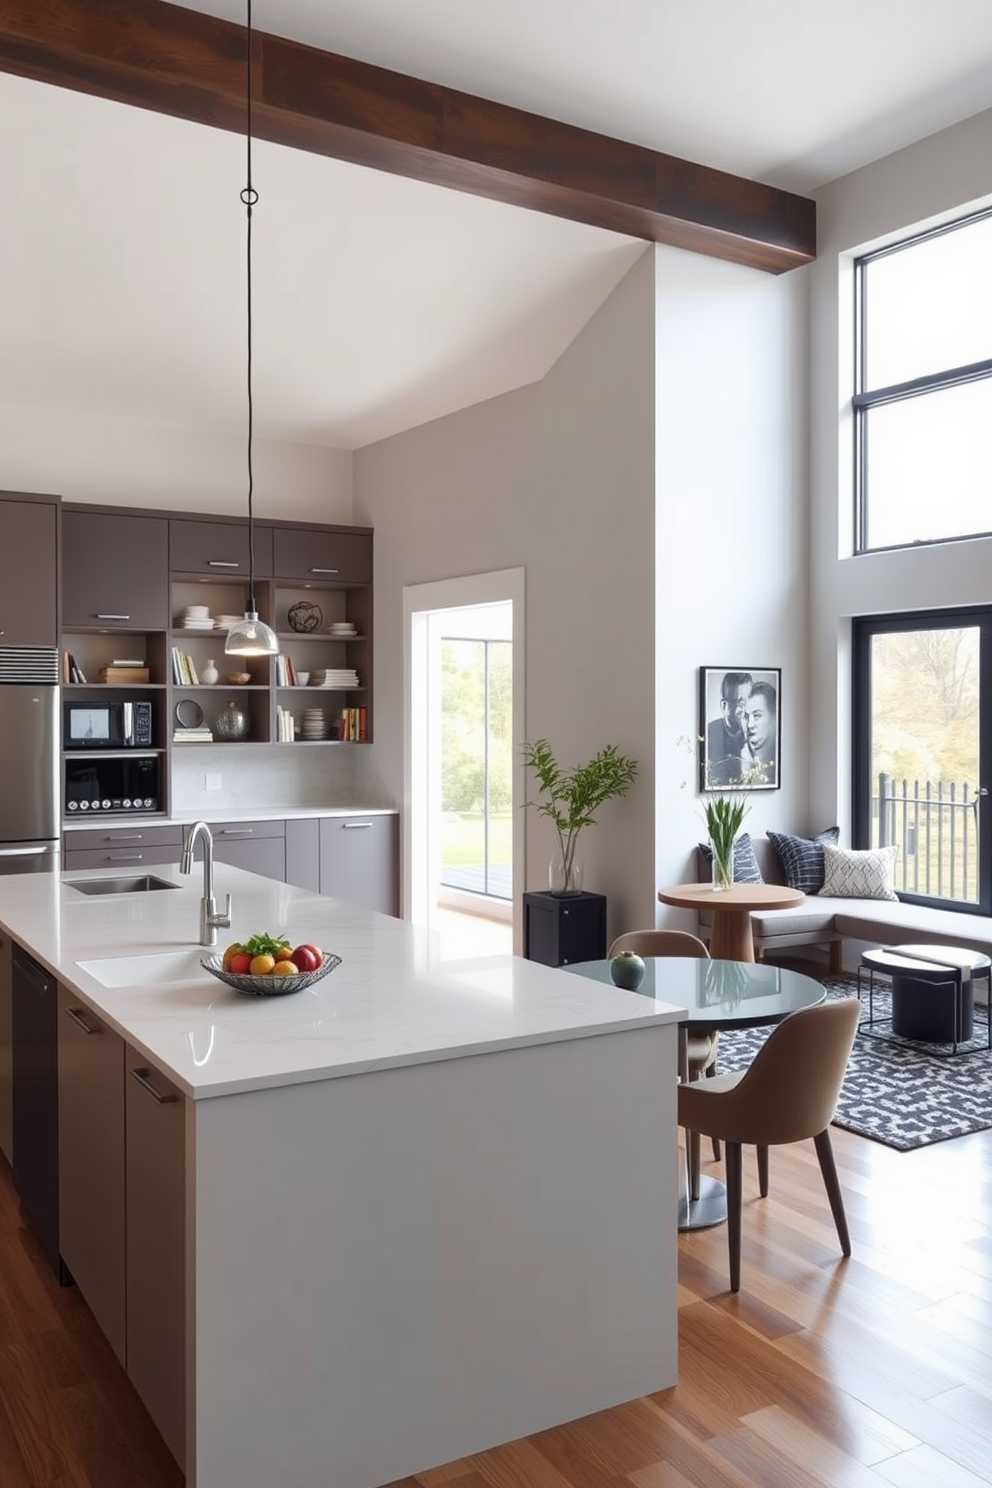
(305, 616)
(268, 986)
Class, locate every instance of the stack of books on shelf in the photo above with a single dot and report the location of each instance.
(71, 670)
(285, 726)
(285, 671)
(183, 669)
(201, 735)
(354, 724)
(124, 670)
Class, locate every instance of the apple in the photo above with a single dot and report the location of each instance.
(240, 962)
(307, 957)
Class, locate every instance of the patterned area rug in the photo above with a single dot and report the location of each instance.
(895, 1091)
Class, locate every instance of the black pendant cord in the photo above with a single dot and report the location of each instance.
(250, 197)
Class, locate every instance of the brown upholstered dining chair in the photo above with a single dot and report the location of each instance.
(788, 1093)
(702, 1044)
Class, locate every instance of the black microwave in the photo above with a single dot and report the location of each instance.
(107, 725)
(117, 782)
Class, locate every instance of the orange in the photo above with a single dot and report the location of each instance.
(285, 968)
(261, 965)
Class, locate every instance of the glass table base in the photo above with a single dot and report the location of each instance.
(708, 1210)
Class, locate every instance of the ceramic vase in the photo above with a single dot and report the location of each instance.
(209, 675)
(627, 971)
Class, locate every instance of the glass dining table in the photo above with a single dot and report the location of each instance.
(720, 995)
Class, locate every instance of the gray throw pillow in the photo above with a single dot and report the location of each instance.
(802, 858)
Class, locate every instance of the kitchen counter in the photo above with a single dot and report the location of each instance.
(429, 1206)
(222, 813)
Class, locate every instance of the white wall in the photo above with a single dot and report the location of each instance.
(731, 531)
(936, 179)
(123, 463)
(558, 478)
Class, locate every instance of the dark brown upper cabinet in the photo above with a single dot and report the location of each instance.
(29, 591)
(116, 571)
(218, 548)
(323, 555)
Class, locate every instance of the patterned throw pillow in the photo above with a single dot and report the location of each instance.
(746, 868)
(866, 874)
(802, 858)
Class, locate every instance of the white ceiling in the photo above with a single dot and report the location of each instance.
(382, 302)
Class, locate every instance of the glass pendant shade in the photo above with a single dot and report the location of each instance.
(251, 637)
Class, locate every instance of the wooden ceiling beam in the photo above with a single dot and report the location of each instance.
(179, 62)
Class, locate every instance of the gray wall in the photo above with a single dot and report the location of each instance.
(557, 478)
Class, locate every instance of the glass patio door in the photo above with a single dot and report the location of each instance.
(921, 692)
(476, 766)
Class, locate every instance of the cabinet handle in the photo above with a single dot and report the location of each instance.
(325, 570)
(235, 832)
(113, 617)
(141, 1075)
(76, 1014)
(355, 826)
(222, 563)
(135, 837)
(125, 857)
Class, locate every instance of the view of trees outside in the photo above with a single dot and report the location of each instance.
(476, 761)
(924, 757)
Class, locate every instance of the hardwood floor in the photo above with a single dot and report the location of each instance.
(822, 1373)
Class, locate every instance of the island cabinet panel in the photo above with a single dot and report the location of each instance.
(29, 592)
(6, 1053)
(303, 853)
(358, 861)
(155, 1115)
(259, 847)
(323, 555)
(218, 548)
(91, 1163)
(116, 571)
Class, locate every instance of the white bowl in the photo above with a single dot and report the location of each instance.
(302, 678)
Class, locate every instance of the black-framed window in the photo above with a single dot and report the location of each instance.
(923, 387)
(923, 748)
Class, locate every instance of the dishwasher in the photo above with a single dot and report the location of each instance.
(36, 1100)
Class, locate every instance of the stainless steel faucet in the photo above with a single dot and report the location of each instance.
(209, 918)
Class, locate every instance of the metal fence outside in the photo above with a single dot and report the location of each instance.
(934, 825)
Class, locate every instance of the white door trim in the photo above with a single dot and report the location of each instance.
(419, 602)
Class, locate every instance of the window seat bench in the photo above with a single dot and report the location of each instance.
(830, 922)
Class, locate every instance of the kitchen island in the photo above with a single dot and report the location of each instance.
(422, 1208)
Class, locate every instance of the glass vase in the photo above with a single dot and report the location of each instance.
(722, 860)
(565, 875)
(231, 722)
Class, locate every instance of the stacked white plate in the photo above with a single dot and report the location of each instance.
(224, 622)
(195, 617)
(341, 628)
(314, 724)
(334, 677)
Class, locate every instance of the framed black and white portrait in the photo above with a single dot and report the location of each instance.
(739, 709)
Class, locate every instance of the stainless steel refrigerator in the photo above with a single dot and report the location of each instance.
(29, 759)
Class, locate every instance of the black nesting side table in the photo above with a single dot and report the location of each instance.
(933, 997)
(560, 929)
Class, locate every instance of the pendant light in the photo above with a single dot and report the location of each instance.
(250, 636)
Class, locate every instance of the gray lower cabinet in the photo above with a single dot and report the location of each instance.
(130, 848)
(258, 846)
(91, 1163)
(6, 1052)
(155, 1114)
(303, 853)
(358, 861)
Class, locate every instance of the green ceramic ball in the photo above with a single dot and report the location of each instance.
(627, 971)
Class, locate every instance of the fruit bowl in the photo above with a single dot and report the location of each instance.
(268, 986)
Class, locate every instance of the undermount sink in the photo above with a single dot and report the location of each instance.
(141, 883)
(145, 971)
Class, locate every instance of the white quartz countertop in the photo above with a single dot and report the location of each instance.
(393, 1001)
(221, 814)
